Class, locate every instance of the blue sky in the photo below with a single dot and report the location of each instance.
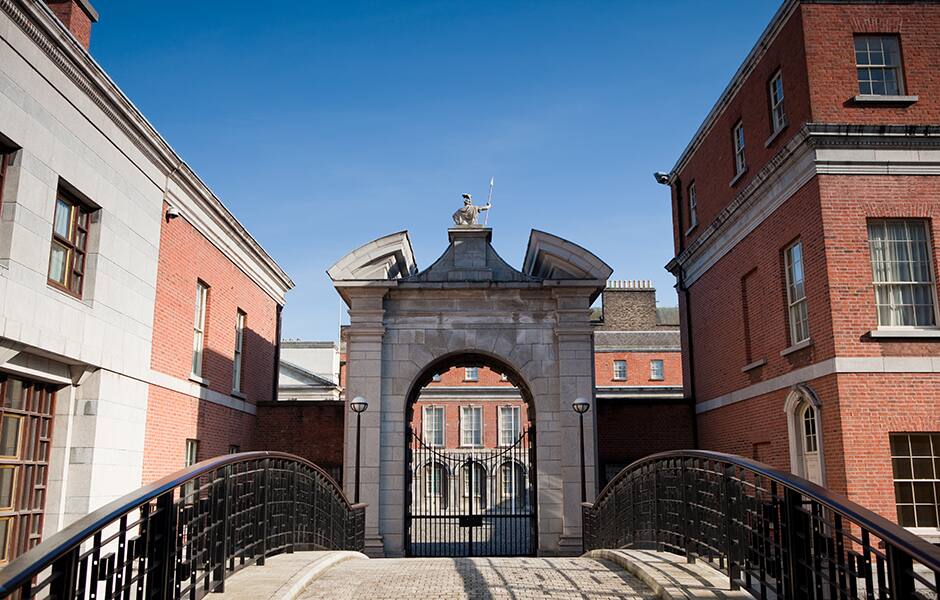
(323, 125)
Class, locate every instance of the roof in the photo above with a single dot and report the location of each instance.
(636, 341)
(667, 315)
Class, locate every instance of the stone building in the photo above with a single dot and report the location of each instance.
(139, 320)
(804, 219)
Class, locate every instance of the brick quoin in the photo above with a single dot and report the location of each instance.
(186, 257)
(738, 306)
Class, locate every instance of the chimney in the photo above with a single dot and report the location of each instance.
(77, 16)
(629, 305)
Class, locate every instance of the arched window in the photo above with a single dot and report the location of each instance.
(512, 484)
(474, 477)
(810, 441)
(435, 483)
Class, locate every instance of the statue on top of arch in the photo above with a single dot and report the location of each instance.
(468, 213)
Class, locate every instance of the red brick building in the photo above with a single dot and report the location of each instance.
(804, 213)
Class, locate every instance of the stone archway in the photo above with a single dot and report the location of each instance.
(470, 302)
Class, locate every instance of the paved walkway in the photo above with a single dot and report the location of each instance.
(476, 578)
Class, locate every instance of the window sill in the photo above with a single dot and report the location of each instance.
(775, 135)
(657, 379)
(239, 395)
(751, 366)
(619, 379)
(738, 177)
(197, 379)
(797, 347)
(903, 333)
(885, 100)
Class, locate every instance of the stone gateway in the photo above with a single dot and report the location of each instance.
(532, 324)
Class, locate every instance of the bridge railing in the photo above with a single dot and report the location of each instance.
(775, 534)
(180, 537)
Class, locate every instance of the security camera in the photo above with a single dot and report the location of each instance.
(171, 213)
(661, 177)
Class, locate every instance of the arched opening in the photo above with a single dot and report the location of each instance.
(470, 415)
(805, 434)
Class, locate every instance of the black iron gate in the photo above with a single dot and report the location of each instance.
(472, 502)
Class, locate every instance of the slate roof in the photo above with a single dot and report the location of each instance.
(667, 315)
(667, 339)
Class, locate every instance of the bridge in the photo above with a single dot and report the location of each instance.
(683, 524)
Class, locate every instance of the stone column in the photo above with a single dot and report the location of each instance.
(575, 379)
(364, 378)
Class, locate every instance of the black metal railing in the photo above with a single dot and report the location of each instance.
(180, 537)
(775, 534)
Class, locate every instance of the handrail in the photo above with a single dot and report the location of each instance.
(210, 485)
(717, 505)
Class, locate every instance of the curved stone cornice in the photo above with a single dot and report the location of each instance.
(386, 258)
(551, 257)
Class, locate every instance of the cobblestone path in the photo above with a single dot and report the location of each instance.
(477, 578)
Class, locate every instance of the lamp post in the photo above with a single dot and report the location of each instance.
(581, 406)
(358, 406)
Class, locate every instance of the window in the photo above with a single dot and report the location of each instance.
(778, 117)
(239, 346)
(503, 377)
(471, 374)
(878, 62)
(512, 483)
(234, 449)
(656, 369)
(903, 277)
(435, 479)
(620, 369)
(7, 486)
(69, 244)
(471, 426)
(740, 165)
(796, 294)
(915, 460)
(5, 155)
(432, 422)
(693, 207)
(810, 439)
(199, 326)
(477, 473)
(436, 377)
(192, 452)
(509, 430)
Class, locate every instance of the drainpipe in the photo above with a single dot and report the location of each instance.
(681, 286)
(277, 353)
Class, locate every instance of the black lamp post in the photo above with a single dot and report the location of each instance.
(581, 406)
(359, 405)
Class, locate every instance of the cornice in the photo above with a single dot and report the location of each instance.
(818, 148)
(41, 26)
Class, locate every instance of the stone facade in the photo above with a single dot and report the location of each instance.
(470, 303)
(842, 161)
(66, 131)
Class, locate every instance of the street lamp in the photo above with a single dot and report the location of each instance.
(581, 406)
(358, 406)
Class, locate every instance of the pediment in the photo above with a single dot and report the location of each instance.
(388, 257)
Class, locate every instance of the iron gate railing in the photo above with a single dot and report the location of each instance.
(472, 502)
(181, 536)
(775, 534)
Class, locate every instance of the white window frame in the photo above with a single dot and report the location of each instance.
(435, 473)
(240, 318)
(662, 369)
(740, 161)
(467, 374)
(199, 327)
(778, 114)
(426, 433)
(464, 430)
(797, 306)
(693, 208)
(885, 66)
(626, 373)
(516, 419)
(888, 284)
(934, 438)
(192, 452)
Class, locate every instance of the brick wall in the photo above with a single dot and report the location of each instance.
(830, 59)
(74, 18)
(311, 430)
(185, 257)
(629, 430)
(638, 368)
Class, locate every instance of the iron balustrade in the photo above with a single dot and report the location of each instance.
(181, 536)
(775, 534)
